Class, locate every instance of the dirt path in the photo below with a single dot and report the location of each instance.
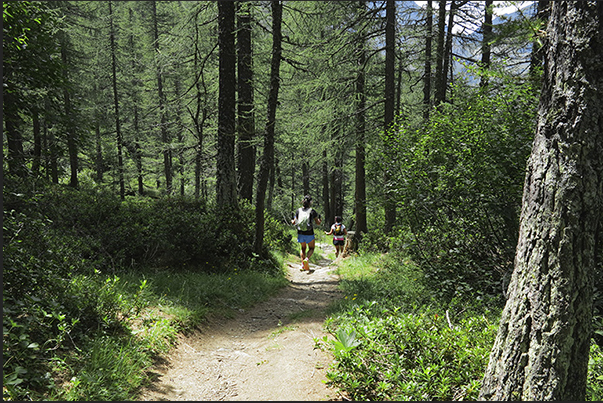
(265, 353)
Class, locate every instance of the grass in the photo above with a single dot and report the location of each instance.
(152, 308)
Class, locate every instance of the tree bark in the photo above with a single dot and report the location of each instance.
(246, 118)
(37, 135)
(447, 56)
(440, 75)
(165, 137)
(427, 73)
(137, 150)
(226, 181)
(119, 138)
(69, 120)
(390, 57)
(326, 193)
(360, 173)
(305, 177)
(268, 154)
(542, 346)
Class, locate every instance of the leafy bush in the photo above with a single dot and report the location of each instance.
(458, 182)
(387, 354)
(594, 385)
(66, 313)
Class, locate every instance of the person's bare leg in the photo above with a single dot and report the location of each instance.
(311, 248)
(303, 251)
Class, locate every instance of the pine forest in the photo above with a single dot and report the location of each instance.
(156, 153)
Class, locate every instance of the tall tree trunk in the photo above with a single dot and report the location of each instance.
(246, 118)
(292, 187)
(542, 347)
(37, 135)
(137, 151)
(440, 76)
(326, 192)
(13, 122)
(69, 120)
(165, 136)
(52, 168)
(337, 182)
(179, 135)
(390, 57)
(447, 57)
(486, 38)
(360, 172)
(271, 181)
(119, 138)
(427, 73)
(305, 177)
(268, 154)
(226, 181)
(99, 148)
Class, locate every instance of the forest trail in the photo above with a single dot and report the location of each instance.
(265, 353)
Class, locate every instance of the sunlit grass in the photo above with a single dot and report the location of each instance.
(152, 309)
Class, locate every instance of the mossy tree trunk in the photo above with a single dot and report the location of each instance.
(541, 350)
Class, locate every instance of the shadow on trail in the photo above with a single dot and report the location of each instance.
(304, 300)
(266, 352)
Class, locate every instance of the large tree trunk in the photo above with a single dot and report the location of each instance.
(305, 177)
(246, 127)
(137, 150)
(226, 181)
(119, 139)
(37, 135)
(440, 74)
(390, 58)
(541, 350)
(69, 120)
(165, 137)
(360, 173)
(268, 155)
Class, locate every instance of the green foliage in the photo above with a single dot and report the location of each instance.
(395, 340)
(82, 272)
(459, 185)
(409, 356)
(594, 385)
(175, 232)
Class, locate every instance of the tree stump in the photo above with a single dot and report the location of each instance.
(351, 243)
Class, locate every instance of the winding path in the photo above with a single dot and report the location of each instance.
(264, 353)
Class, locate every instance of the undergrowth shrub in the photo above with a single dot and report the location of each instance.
(594, 384)
(387, 354)
(457, 181)
(71, 329)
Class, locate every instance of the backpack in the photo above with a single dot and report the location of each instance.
(338, 228)
(304, 219)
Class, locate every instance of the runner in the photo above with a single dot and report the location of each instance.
(305, 216)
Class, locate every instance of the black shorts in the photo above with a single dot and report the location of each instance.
(335, 242)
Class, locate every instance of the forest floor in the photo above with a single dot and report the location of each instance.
(266, 352)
